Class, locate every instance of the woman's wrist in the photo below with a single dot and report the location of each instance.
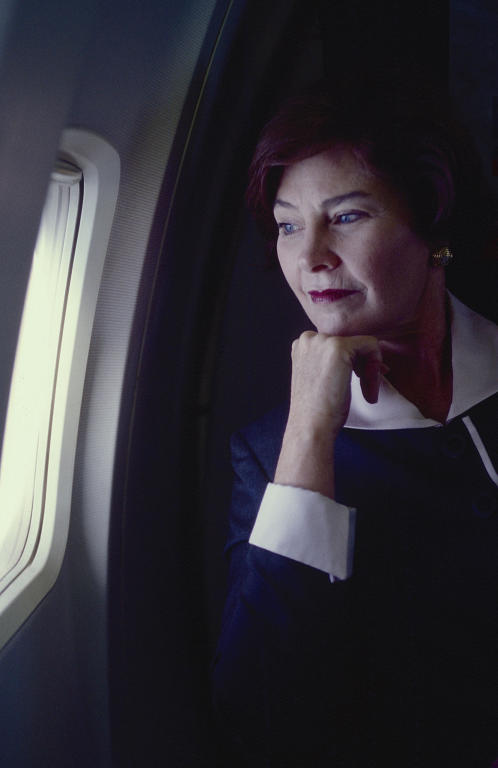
(307, 460)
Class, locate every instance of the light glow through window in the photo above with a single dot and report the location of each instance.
(26, 441)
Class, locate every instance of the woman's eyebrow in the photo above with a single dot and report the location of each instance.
(283, 204)
(337, 200)
(341, 198)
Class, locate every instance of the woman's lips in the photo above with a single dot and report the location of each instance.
(331, 294)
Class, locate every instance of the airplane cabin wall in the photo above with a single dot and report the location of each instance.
(121, 70)
(191, 338)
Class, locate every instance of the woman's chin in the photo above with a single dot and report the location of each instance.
(339, 324)
(338, 318)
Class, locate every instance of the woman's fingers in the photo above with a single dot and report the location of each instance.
(369, 368)
(370, 381)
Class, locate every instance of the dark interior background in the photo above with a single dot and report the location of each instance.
(218, 336)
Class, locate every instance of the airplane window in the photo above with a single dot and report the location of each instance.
(40, 434)
(27, 431)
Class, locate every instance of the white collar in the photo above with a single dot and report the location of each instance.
(474, 345)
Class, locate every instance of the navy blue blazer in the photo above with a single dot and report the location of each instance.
(397, 665)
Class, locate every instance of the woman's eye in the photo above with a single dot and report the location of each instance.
(287, 229)
(348, 218)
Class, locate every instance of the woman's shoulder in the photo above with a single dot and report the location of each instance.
(474, 357)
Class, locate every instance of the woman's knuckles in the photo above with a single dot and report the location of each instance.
(334, 349)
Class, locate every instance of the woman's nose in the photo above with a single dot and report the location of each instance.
(318, 253)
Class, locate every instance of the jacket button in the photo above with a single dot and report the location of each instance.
(454, 446)
(484, 504)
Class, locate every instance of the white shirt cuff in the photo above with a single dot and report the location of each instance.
(308, 527)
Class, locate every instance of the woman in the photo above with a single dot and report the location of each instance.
(361, 623)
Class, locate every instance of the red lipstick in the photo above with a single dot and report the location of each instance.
(331, 294)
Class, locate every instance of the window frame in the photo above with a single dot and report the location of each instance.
(100, 167)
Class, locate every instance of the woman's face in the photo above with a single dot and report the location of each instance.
(347, 248)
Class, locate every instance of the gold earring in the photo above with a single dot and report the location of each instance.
(441, 257)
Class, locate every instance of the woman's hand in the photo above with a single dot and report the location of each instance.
(320, 399)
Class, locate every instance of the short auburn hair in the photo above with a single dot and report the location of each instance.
(411, 139)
